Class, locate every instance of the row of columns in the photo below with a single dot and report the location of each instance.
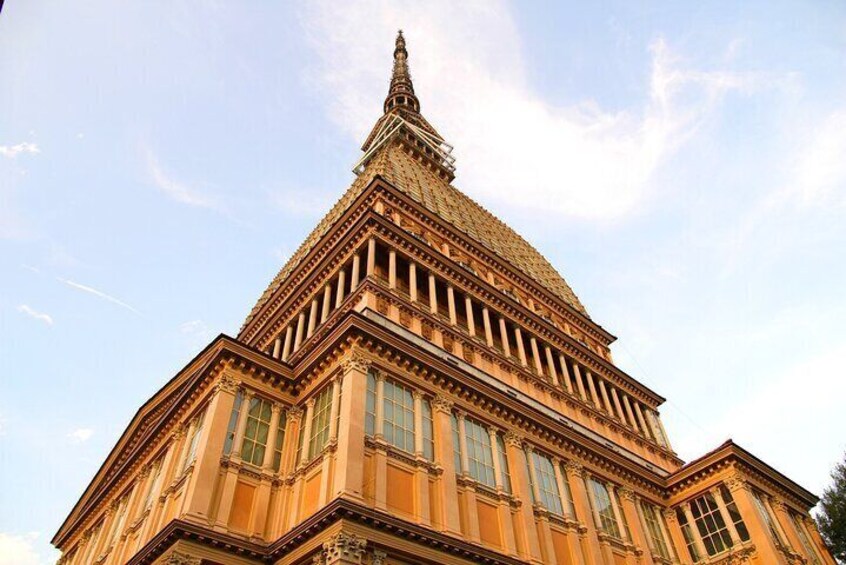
(616, 403)
(311, 317)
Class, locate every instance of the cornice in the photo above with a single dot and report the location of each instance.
(730, 456)
(390, 351)
(158, 416)
(339, 510)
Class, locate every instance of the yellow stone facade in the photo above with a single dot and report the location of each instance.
(418, 385)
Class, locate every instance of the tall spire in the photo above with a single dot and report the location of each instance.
(401, 93)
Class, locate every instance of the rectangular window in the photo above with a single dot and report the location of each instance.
(398, 410)
(456, 444)
(734, 513)
(710, 524)
(428, 431)
(320, 422)
(280, 440)
(651, 516)
(547, 486)
(233, 424)
(503, 464)
(370, 406)
(479, 453)
(258, 428)
(154, 484)
(803, 537)
(687, 532)
(768, 518)
(194, 440)
(120, 519)
(601, 500)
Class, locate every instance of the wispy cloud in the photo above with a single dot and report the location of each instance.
(197, 332)
(19, 549)
(99, 294)
(820, 170)
(12, 151)
(174, 189)
(577, 159)
(40, 316)
(80, 435)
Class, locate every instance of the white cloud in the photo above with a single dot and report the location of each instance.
(174, 189)
(18, 549)
(99, 294)
(511, 144)
(80, 435)
(12, 151)
(197, 331)
(40, 316)
(806, 396)
(820, 170)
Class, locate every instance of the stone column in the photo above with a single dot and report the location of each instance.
(550, 362)
(617, 406)
(462, 440)
(392, 269)
(349, 472)
(342, 549)
(606, 402)
(433, 295)
(354, 276)
(300, 329)
(521, 349)
(277, 348)
(471, 323)
(198, 494)
(565, 373)
(371, 257)
(327, 302)
(630, 414)
(529, 546)
(486, 321)
(444, 456)
(503, 332)
(412, 281)
(339, 292)
(580, 385)
(286, 348)
(592, 388)
(155, 505)
(312, 318)
(644, 428)
(533, 343)
(453, 318)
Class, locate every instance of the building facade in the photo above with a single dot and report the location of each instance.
(418, 385)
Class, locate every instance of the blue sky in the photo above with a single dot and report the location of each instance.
(683, 167)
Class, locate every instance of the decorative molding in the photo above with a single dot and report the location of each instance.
(378, 558)
(442, 404)
(179, 558)
(295, 413)
(356, 361)
(626, 493)
(514, 440)
(575, 469)
(227, 383)
(344, 548)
